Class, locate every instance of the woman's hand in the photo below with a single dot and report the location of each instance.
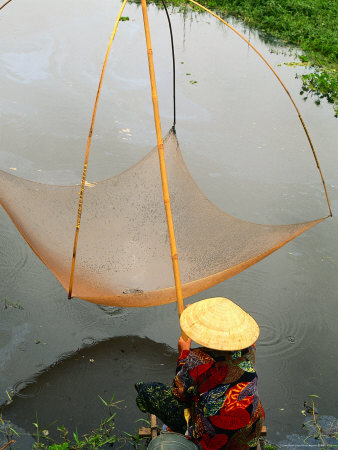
(183, 345)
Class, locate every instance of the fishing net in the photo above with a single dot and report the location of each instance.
(123, 253)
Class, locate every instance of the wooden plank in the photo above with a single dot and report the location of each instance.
(144, 432)
(153, 426)
(151, 432)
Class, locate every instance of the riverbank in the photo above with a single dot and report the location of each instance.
(310, 25)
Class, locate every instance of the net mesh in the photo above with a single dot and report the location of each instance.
(123, 255)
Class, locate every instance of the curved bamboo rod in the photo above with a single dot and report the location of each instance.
(6, 3)
(284, 87)
(89, 140)
(165, 189)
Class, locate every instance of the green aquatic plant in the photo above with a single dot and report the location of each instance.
(8, 433)
(103, 436)
(311, 25)
(321, 85)
(311, 409)
(135, 439)
(7, 304)
(267, 446)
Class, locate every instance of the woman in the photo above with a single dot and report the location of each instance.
(215, 388)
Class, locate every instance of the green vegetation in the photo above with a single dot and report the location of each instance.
(7, 432)
(105, 435)
(320, 434)
(322, 85)
(268, 446)
(309, 24)
(317, 431)
(6, 304)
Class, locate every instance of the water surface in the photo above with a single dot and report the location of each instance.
(245, 148)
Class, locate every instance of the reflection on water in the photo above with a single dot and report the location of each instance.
(69, 391)
(114, 311)
(243, 145)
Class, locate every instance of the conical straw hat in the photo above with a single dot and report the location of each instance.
(220, 324)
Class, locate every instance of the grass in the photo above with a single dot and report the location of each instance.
(6, 304)
(268, 446)
(105, 435)
(310, 25)
(314, 430)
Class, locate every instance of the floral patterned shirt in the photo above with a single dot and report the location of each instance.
(221, 388)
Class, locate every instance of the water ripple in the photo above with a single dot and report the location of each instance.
(14, 256)
(26, 388)
(113, 310)
(280, 333)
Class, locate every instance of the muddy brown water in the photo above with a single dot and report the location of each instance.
(242, 143)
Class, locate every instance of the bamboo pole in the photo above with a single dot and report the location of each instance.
(89, 140)
(165, 189)
(8, 444)
(0, 10)
(285, 89)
